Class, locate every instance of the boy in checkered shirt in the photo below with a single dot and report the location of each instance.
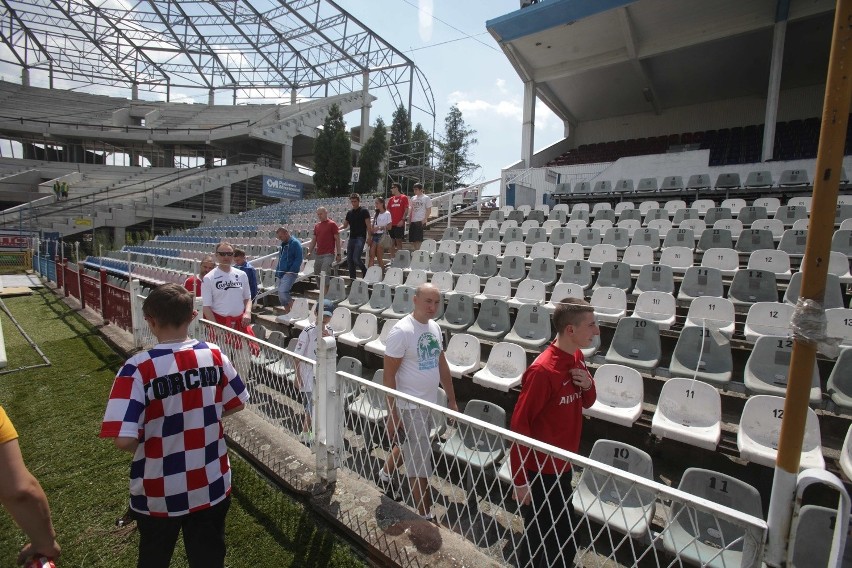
(166, 408)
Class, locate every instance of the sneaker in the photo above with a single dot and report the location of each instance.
(306, 438)
(384, 477)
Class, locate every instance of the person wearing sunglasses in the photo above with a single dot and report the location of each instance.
(225, 292)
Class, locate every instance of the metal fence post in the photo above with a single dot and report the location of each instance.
(328, 426)
(135, 321)
(102, 290)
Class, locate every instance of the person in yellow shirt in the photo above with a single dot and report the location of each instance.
(22, 495)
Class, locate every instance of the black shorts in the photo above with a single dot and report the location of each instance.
(397, 232)
(415, 232)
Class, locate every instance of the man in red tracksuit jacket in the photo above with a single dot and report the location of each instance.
(554, 391)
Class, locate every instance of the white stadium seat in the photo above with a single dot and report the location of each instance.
(760, 428)
(689, 411)
(506, 363)
(619, 395)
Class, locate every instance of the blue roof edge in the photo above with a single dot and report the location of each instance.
(545, 15)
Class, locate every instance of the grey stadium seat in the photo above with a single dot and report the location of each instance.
(751, 286)
(833, 291)
(793, 242)
(716, 213)
(751, 240)
(646, 236)
(714, 349)
(474, 447)
(359, 294)
(842, 242)
(543, 269)
(679, 238)
(380, 300)
(577, 272)
(758, 180)
(728, 181)
(459, 315)
(485, 266)
(750, 214)
(715, 238)
(701, 281)
(623, 186)
(441, 262)
(767, 367)
(636, 343)
(560, 236)
(513, 268)
(655, 277)
(462, 264)
(403, 303)
(493, 321)
(532, 327)
(670, 183)
(698, 181)
(793, 178)
(840, 381)
(648, 185)
(614, 274)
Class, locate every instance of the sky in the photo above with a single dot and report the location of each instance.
(464, 65)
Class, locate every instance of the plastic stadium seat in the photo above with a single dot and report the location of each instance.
(298, 311)
(602, 253)
(712, 313)
(560, 236)
(450, 234)
(728, 181)
(588, 237)
(714, 238)
(441, 262)
(490, 234)
(492, 248)
(601, 225)
(842, 213)
(658, 307)
(570, 251)
(768, 364)
(700, 281)
(393, 277)
(543, 270)
(811, 537)
(364, 330)
(689, 411)
(532, 328)
(839, 324)
(750, 214)
(604, 213)
(726, 260)
(448, 246)
(603, 186)
(714, 214)
(619, 395)
(842, 241)
(618, 237)
(472, 447)
(420, 260)
(610, 304)
(768, 318)
(655, 278)
(682, 214)
(561, 291)
(458, 315)
(462, 354)
(793, 242)
(629, 225)
(462, 264)
(341, 321)
(469, 246)
(467, 284)
(774, 226)
(617, 503)
(636, 343)
(752, 286)
(515, 248)
(751, 240)
(579, 215)
(622, 206)
(656, 214)
(679, 259)
(380, 299)
(377, 346)
(758, 180)
(629, 215)
(535, 235)
(614, 274)
(771, 260)
(529, 291)
(513, 268)
(428, 245)
(734, 204)
(646, 236)
(626, 186)
(833, 291)
(512, 235)
(580, 207)
(359, 294)
(790, 214)
(704, 354)
(369, 408)
(839, 385)
(443, 281)
(541, 250)
(497, 287)
(670, 183)
(760, 428)
(577, 272)
(698, 181)
(336, 290)
(662, 226)
(846, 454)
(493, 321)
(702, 539)
(416, 277)
(636, 256)
(733, 226)
(672, 206)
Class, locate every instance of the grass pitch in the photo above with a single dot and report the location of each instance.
(57, 411)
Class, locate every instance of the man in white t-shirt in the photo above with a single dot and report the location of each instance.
(307, 347)
(414, 364)
(226, 297)
(420, 206)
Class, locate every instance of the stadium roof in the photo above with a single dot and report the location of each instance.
(592, 59)
(255, 49)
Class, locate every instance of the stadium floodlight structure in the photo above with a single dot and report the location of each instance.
(255, 50)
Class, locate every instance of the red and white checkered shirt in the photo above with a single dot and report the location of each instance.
(171, 398)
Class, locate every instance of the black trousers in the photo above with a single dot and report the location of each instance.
(203, 537)
(549, 523)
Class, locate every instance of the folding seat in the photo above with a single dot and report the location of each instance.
(588, 237)
(450, 234)
(760, 428)
(698, 181)
(655, 215)
(365, 329)
(493, 248)
(790, 214)
(618, 237)
(528, 226)
(662, 226)
(542, 250)
(646, 206)
(714, 238)
(679, 238)
(724, 259)
(497, 287)
(441, 262)
(768, 364)
(420, 260)
(670, 183)
(380, 299)
(647, 236)
(793, 242)
(359, 294)
(468, 247)
(842, 241)
(838, 324)
(672, 206)
(774, 226)
(471, 447)
(615, 502)
(513, 268)
(490, 234)
(793, 178)
(530, 291)
(717, 213)
(532, 327)
(734, 204)
(610, 304)
(655, 278)
(658, 307)
(629, 215)
(833, 292)
(561, 291)
(516, 248)
(636, 256)
(462, 354)
(459, 314)
(839, 387)
(577, 272)
(493, 321)
(603, 187)
(544, 270)
(485, 266)
(711, 313)
(620, 391)
(683, 214)
(602, 253)
(751, 286)
(570, 251)
(377, 346)
(560, 236)
(703, 539)
(550, 225)
(341, 321)
(626, 186)
(727, 181)
(688, 411)
(402, 259)
(704, 354)
(751, 240)
(629, 225)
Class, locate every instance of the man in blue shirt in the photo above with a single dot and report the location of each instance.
(241, 263)
(289, 264)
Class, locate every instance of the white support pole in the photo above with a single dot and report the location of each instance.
(328, 428)
(528, 127)
(136, 322)
(365, 109)
(773, 90)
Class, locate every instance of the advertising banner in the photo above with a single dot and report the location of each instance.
(282, 188)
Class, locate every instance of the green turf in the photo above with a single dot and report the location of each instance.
(57, 411)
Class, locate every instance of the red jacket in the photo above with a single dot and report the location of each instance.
(549, 409)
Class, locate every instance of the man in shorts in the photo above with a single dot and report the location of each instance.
(414, 364)
(307, 347)
(326, 243)
(420, 206)
(398, 208)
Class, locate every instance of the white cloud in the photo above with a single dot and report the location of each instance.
(425, 20)
(480, 109)
(501, 86)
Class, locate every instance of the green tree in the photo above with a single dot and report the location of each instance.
(421, 146)
(455, 149)
(400, 137)
(372, 158)
(333, 155)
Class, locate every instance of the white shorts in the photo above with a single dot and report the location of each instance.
(417, 448)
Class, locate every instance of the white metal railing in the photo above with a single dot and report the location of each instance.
(448, 200)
